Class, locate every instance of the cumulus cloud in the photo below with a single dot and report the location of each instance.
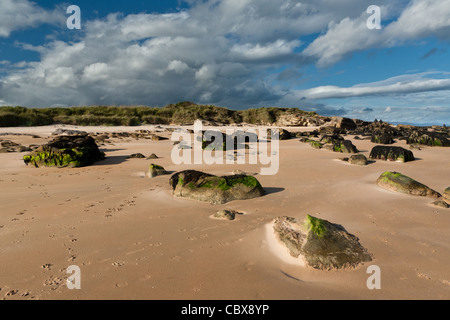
(234, 53)
(23, 14)
(420, 19)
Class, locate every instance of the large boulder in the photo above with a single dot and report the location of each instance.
(320, 243)
(213, 189)
(394, 181)
(389, 153)
(66, 151)
(433, 139)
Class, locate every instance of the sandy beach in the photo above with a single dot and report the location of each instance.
(132, 239)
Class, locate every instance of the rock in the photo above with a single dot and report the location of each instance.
(136, 156)
(229, 215)
(344, 146)
(66, 151)
(394, 181)
(343, 123)
(389, 153)
(382, 138)
(153, 156)
(68, 132)
(446, 194)
(154, 170)
(283, 134)
(433, 139)
(358, 159)
(213, 189)
(441, 204)
(320, 243)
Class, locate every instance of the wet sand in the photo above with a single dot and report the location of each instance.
(133, 240)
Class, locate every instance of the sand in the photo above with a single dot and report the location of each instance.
(132, 239)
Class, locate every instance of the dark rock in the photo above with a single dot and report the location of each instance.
(433, 139)
(441, 204)
(394, 181)
(358, 159)
(229, 215)
(389, 153)
(320, 243)
(213, 189)
(155, 170)
(344, 146)
(136, 156)
(382, 138)
(153, 156)
(66, 151)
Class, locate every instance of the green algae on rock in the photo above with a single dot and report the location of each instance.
(155, 170)
(394, 181)
(66, 151)
(213, 189)
(320, 243)
(389, 153)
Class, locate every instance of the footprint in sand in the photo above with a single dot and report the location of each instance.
(47, 266)
(118, 264)
(422, 275)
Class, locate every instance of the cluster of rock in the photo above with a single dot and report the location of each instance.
(7, 146)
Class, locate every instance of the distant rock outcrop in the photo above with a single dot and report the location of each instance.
(390, 153)
(66, 151)
(394, 181)
(213, 189)
(433, 139)
(320, 243)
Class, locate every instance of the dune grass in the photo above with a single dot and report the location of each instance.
(180, 113)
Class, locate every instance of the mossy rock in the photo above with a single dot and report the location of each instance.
(136, 156)
(432, 139)
(382, 138)
(394, 181)
(321, 244)
(344, 146)
(213, 189)
(229, 215)
(155, 170)
(389, 153)
(66, 151)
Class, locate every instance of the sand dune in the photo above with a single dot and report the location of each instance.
(133, 240)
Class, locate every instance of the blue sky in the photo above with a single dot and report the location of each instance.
(315, 55)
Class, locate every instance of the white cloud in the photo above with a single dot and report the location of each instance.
(22, 14)
(422, 18)
(394, 86)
